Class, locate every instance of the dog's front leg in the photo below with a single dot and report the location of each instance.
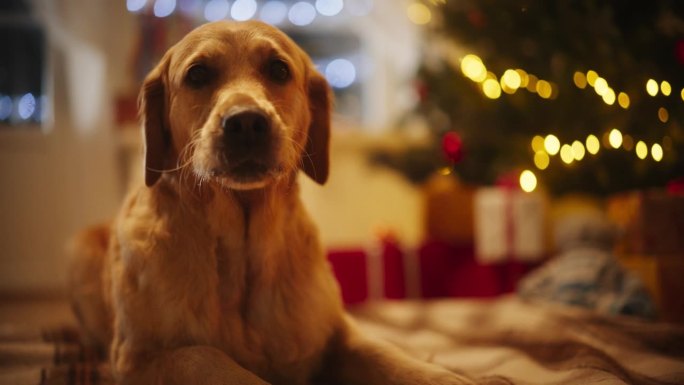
(197, 364)
(355, 359)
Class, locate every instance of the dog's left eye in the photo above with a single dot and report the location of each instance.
(198, 76)
(278, 71)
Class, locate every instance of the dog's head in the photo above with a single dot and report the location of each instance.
(238, 103)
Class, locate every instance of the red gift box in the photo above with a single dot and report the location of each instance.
(448, 270)
(372, 273)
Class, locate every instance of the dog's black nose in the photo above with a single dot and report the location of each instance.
(246, 128)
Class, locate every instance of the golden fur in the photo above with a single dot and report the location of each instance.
(213, 272)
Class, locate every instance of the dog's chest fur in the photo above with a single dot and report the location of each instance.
(219, 279)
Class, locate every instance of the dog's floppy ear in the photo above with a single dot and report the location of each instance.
(316, 159)
(156, 134)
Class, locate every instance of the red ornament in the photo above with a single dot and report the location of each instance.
(452, 145)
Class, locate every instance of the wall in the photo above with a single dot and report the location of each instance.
(57, 181)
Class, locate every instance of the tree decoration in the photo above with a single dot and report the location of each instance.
(506, 74)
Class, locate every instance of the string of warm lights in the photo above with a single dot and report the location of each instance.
(510, 82)
(544, 148)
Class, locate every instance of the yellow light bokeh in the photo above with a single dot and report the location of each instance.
(491, 88)
(551, 144)
(600, 86)
(641, 150)
(578, 150)
(591, 77)
(473, 68)
(544, 89)
(512, 79)
(665, 88)
(663, 115)
(593, 144)
(580, 80)
(524, 78)
(528, 181)
(623, 100)
(566, 154)
(652, 87)
(615, 138)
(657, 152)
(419, 13)
(537, 143)
(609, 97)
(682, 94)
(541, 160)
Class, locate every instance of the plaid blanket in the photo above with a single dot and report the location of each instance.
(502, 341)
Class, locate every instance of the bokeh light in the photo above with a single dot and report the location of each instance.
(537, 143)
(528, 181)
(329, 7)
(541, 160)
(551, 144)
(273, 12)
(663, 114)
(615, 138)
(491, 88)
(578, 150)
(5, 107)
(302, 14)
(163, 8)
(419, 13)
(657, 152)
(580, 80)
(243, 9)
(473, 68)
(623, 100)
(135, 5)
(593, 144)
(652, 87)
(216, 10)
(566, 154)
(340, 73)
(665, 88)
(26, 106)
(641, 150)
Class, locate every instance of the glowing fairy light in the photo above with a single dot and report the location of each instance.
(615, 138)
(592, 144)
(641, 150)
(623, 100)
(537, 143)
(591, 77)
(511, 79)
(566, 154)
(473, 68)
(491, 89)
(657, 152)
(580, 80)
(665, 88)
(528, 181)
(578, 150)
(652, 87)
(551, 144)
(663, 115)
(541, 160)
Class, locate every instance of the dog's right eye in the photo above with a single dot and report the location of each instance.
(198, 75)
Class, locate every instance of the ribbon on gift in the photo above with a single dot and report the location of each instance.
(508, 223)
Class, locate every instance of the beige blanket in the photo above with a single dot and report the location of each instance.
(511, 341)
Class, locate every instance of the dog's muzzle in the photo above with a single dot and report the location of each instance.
(248, 143)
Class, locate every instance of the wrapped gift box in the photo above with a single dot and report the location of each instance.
(375, 272)
(434, 269)
(650, 222)
(509, 223)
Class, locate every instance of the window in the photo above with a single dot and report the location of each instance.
(22, 60)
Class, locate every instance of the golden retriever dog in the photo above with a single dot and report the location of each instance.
(213, 273)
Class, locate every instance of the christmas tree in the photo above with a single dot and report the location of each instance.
(588, 95)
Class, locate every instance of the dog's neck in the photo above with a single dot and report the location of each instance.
(271, 199)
